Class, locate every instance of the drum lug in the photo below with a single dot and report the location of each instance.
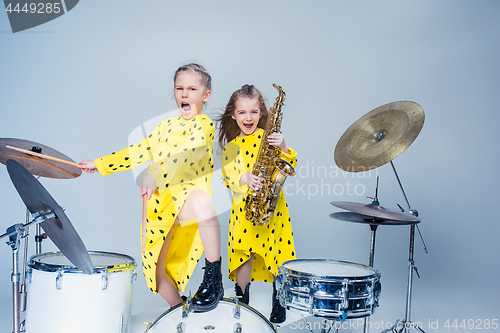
(312, 292)
(181, 327)
(29, 274)
(236, 310)
(133, 277)
(148, 325)
(186, 308)
(59, 279)
(104, 281)
(370, 299)
(237, 328)
(345, 297)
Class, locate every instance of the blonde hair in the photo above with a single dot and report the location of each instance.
(207, 79)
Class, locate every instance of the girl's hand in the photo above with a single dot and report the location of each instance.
(253, 182)
(87, 166)
(277, 139)
(148, 186)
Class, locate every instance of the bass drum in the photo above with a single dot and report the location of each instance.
(329, 288)
(223, 318)
(61, 298)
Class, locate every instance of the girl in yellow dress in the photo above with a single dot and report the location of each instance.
(181, 219)
(254, 251)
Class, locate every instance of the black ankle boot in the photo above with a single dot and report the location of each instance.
(210, 291)
(242, 297)
(278, 313)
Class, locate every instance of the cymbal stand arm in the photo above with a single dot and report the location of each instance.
(25, 263)
(411, 264)
(402, 190)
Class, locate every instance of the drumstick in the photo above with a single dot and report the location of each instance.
(55, 159)
(144, 217)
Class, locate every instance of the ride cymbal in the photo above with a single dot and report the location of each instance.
(36, 165)
(379, 136)
(365, 219)
(376, 211)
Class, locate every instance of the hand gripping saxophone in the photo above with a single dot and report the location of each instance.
(260, 204)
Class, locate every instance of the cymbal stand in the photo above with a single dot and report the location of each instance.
(373, 233)
(406, 324)
(15, 233)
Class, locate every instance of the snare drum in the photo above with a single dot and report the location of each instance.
(226, 317)
(329, 288)
(61, 298)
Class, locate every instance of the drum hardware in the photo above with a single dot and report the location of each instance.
(181, 327)
(373, 140)
(186, 306)
(46, 212)
(237, 309)
(229, 316)
(15, 233)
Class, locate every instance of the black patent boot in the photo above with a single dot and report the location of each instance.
(210, 291)
(278, 313)
(242, 297)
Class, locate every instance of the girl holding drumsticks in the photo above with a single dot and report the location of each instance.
(181, 219)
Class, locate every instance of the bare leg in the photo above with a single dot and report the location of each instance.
(243, 273)
(164, 284)
(199, 205)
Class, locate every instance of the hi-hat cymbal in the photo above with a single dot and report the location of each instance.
(365, 219)
(59, 229)
(35, 165)
(375, 211)
(379, 136)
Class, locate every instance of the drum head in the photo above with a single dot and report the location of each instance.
(328, 268)
(101, 261)
(221, 319)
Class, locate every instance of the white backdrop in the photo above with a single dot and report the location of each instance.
(83, 82)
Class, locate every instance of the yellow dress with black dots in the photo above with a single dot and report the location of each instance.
(181, 154)
(272, 243)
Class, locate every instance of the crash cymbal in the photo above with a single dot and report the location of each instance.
(371, 220)
(379, 136)
(376, 211)
(59, 229)
(36, 165)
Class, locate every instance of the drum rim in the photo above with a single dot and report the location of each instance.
(37, 265)
(225, 299)
(374, 272)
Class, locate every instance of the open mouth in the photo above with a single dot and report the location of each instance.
(185, 107)
(248, 126)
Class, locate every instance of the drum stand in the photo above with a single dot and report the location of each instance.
(15, 233)
(404, 325)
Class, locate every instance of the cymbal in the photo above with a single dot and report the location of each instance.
(379, 136)
(35, 165)
(59, 229)
(375, 211)
(371, 220)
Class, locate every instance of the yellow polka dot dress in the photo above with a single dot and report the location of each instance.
(181, 153)
(272, 243)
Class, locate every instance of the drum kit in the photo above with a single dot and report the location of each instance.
(75, 282)
(60, 291)
(338, 290)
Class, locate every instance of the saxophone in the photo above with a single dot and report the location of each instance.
(260, 204)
